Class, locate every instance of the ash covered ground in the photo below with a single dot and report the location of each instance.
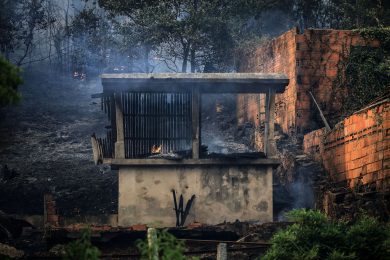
(45, 142)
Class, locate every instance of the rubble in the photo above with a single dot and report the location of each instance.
(298, 180)
(9, 251)
(344, 203)
(11, 227)
(62, 166)
(243, 240)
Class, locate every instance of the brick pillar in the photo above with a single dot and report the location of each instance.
(51, 218)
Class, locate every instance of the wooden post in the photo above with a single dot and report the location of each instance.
(269, 138)
(321, 114)
(97, 150)
(266, 126)
(50, 216)
(222, 251)
(196, 124)
(120, 137)
(152, 244)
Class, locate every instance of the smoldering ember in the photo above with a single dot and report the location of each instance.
(194, 129)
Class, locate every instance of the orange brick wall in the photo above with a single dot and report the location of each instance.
(357, 150)
(318, 57)
(276, 56)
(311, 61)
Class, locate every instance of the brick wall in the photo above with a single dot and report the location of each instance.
(357, 150)
(311, 61)
(313, 143)
(276, 56)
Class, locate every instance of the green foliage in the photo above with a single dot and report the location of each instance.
(381, 33)
(208, 35)
(91, 37)
(20, 21)
(313, 236)
(368, 239)
(168, 247)
(82, 249)
(194, 32)
(9, 81)
(365, 74)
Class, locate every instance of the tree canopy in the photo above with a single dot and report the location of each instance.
(164, 35)
(204, 34)
(9, 81)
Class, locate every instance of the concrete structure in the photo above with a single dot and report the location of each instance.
(223, 193)
(225, 189)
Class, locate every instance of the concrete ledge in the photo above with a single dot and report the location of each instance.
(158, 162)
(186, 82)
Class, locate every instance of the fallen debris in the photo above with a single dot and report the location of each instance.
(9, 251)
(11, 228)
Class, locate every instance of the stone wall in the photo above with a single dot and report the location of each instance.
(357, 150)
(223, 193)
(311, 60)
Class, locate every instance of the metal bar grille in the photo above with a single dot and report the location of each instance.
(156, 119)
(107, 145)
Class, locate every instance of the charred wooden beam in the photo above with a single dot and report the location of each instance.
(196, 142)
(119, 144)
(269, 141)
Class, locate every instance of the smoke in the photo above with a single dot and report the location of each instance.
(220, 131)
(302, 193)
(294, 180)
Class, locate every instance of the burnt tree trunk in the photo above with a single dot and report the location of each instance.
(186, 51)
(192, 60)
(146, 58)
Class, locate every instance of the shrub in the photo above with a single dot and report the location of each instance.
(167, 245)
(9, 81)
(82, 249)
(313, 236)
(365, 73)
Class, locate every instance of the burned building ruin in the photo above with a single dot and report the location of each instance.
(154, 140)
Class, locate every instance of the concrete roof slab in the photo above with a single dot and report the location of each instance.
(204, 82)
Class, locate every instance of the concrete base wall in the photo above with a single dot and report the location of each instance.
(223, 193)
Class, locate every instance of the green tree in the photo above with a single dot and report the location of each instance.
(195, 32)
(91, 38)
(340, 14)
(196, 35)
(9, 81)
(313, 236)
(20, 22)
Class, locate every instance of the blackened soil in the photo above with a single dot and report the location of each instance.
(46, 141)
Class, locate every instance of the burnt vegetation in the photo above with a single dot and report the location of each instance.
(52, 52)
